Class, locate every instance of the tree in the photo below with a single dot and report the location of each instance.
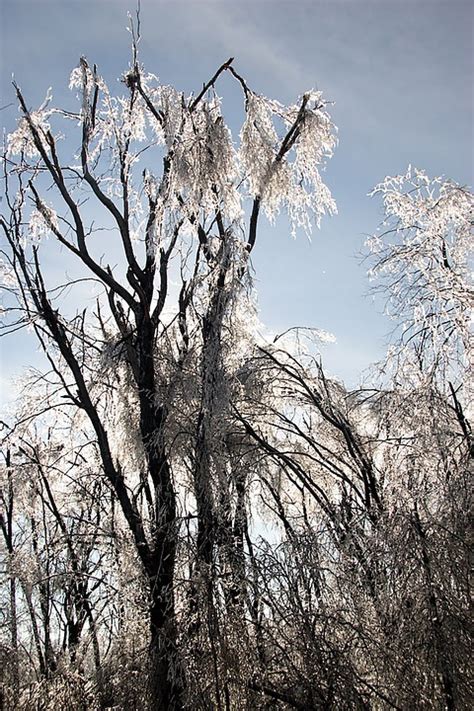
(421, 260)
(153, 361)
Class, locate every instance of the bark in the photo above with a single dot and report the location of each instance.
(165, 686)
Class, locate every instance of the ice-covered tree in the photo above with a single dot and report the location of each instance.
(149, 197)
(422, 262)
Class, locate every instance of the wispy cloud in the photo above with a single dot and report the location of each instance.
(237, 34)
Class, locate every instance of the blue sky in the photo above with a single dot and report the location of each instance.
(399, 72)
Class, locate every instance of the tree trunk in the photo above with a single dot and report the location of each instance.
(165, 682)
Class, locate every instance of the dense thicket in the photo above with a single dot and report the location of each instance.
(195, 517)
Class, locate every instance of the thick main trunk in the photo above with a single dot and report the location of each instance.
(165, 682)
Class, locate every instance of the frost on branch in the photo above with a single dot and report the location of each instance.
(42, 221)
(21, 141)
(280, 167)
(205, 164)
(271, 176)
(421, 261)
